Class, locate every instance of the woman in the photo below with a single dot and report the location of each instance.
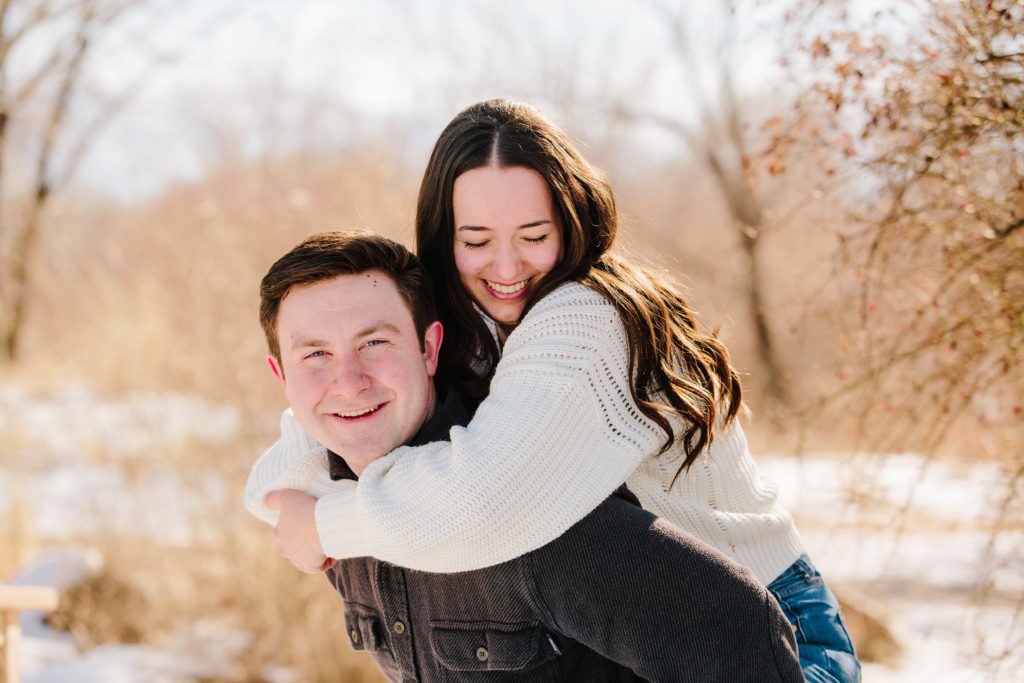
(591, 373)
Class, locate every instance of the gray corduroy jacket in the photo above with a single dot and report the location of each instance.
(620, 596)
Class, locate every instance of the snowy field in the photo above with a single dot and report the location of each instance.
(912, 536)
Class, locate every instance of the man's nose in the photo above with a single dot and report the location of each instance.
(350, 379)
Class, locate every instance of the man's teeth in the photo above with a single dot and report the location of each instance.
(357, 413)
(507, 289)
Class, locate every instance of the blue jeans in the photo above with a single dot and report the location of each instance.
(823, 643)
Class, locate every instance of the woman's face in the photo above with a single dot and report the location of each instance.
(507, 236)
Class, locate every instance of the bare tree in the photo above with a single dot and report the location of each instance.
(922, 108)
(932, 120)
(35, 106)
(719, 139)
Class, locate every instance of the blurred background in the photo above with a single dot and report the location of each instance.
(839, 186)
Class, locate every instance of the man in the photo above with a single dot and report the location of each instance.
(354, 342)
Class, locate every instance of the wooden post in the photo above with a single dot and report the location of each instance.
(13, 599)
(12, 644)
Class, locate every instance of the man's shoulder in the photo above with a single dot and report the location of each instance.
(616, 520)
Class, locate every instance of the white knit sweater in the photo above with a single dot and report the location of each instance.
(557, 434)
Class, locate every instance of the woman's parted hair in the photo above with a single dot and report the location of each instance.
(326, 255)
(676, 368)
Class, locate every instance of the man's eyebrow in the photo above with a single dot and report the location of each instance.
(303, 342)
(534, 224)
(372, 328)
(379, 326)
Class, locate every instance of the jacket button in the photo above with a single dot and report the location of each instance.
(482, 654)
(354, 634)
(398, 627)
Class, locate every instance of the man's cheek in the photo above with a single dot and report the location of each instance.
(303, 404)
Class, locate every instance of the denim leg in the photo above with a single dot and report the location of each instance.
(823, 643)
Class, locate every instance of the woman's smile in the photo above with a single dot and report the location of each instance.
(507, 292)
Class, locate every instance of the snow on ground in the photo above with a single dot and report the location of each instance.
(78, 499)
(914, 536)
(128, 425)
(50, 474)
(52, 471)
(909, 533)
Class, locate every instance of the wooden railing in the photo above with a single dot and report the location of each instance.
(13, 599)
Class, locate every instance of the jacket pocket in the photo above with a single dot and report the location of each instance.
(366, 632)
(486, 651)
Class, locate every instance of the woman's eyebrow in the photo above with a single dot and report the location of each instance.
(532, 224)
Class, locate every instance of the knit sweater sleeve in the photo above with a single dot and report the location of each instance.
(296, 461)
(558, 432)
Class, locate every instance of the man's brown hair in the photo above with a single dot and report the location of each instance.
(327, 255)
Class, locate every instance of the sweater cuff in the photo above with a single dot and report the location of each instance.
(340, 533)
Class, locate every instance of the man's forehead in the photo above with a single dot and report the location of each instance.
(355, 304)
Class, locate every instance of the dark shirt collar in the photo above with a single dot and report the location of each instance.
(450, 410)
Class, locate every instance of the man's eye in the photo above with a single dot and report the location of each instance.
(376, 342)
(316, 354)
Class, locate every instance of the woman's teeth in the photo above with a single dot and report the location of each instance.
(507, 289)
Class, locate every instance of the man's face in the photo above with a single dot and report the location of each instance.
(352, 366)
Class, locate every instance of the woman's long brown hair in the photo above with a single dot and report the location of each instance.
(676, 368)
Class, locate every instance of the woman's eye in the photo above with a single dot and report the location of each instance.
(474, 245)
(536, 240)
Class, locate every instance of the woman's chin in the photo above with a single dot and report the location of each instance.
(505, 315)
(501, 312)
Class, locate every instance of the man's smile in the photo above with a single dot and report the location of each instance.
(359, 413)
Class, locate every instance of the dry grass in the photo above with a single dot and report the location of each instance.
(149, 593)
(152, 593)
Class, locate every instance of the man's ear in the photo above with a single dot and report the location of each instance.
(432, 346)
(275, 368)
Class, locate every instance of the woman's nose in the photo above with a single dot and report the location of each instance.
(507, 265)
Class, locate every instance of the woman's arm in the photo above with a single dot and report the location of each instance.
(557, 434)
(296, 461)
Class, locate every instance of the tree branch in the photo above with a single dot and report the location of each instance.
(1011, 228)
(998, 58)
(41, 15)
(32, 82)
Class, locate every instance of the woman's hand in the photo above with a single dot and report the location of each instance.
(297, 538)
